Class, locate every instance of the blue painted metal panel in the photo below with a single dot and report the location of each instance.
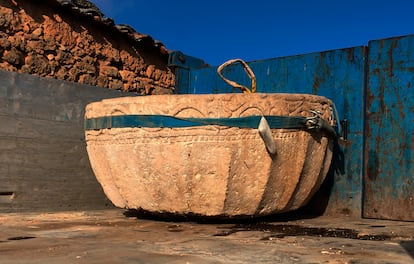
(183, 64)
(336, 74)
(389, 175)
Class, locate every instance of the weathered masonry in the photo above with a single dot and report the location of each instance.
(93, 50)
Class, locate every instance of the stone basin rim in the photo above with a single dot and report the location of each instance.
(154, 99)
(293, 95)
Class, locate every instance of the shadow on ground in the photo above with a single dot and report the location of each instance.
(409, 247)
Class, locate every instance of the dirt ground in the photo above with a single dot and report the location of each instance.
(119, 236)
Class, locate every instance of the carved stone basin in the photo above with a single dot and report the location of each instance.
(187, 154)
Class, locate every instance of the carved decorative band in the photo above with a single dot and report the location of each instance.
(126, 136)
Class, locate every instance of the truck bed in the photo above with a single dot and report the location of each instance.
(120, 236)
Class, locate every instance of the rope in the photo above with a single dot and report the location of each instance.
(234, 84)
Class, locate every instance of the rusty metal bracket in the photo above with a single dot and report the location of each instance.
(316, 122)
(179, 59)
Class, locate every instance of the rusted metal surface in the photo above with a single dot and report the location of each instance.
(337, 75)
(381, 116)
(389, 171)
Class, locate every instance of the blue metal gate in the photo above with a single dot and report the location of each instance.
(340, 75)
(389, 171)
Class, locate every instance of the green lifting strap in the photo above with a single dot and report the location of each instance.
(162, 121)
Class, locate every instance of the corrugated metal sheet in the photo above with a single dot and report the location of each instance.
(389, 171)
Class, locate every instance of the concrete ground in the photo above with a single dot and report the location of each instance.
(119, 236)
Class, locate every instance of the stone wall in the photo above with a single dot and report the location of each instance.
(47, 39)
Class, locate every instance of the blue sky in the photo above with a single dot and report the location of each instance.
(217, 31)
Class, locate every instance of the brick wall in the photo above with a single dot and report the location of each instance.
(46, 39)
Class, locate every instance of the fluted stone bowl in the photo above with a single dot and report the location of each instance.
(207, 170)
